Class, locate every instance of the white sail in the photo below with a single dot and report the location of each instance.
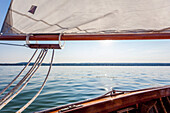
(86, 16)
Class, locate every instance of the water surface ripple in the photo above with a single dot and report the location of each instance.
(72, 84)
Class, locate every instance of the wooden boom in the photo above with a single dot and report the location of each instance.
(79, 37)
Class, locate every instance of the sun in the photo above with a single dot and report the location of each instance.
(106, 42)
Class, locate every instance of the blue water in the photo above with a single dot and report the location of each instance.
(71, 84)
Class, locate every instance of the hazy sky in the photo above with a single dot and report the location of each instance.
(91, 51)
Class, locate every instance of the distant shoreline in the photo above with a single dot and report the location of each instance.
(89, 64)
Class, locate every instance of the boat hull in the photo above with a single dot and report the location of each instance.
(140, 101)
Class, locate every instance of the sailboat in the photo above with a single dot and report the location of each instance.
(79, 20)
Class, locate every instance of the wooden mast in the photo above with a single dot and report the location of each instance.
(80, 37)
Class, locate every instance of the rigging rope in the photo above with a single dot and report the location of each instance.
(18, 74)
(12, 44)
(23, 79)
(9, 99)
(26, 105)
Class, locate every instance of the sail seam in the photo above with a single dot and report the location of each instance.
(48, 23)
(37, 20)
(13, 28)
(16, 30)
(61, 26)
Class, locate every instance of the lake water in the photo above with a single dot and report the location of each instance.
(72, 84)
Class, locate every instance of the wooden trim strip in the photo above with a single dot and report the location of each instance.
(79, 37)
(163, 105)
(156, 109)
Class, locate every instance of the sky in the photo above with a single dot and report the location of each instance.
(141, 51)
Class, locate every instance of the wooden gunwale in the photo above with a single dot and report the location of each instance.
(79, 37)
(112, 103)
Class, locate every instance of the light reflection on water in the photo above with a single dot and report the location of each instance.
(71, 84)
